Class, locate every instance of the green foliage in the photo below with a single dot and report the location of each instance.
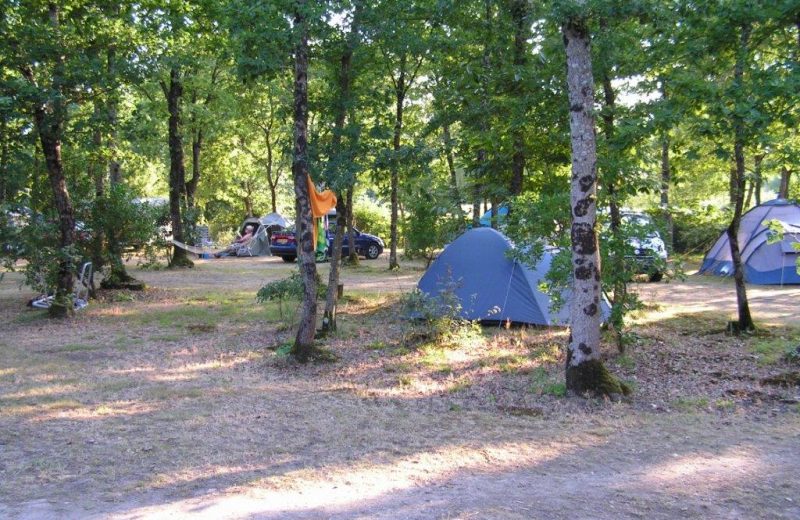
(371, 218)
(438, 318)
(286, 289)
(696, 229)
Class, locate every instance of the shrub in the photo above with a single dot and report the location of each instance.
(696, 229)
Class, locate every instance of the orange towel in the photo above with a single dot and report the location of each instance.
(321, 203)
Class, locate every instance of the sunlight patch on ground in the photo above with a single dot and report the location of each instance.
(41, 391)
(685, 474)
(329, 489)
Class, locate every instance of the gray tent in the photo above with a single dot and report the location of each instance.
(490, 286)
(765, 262)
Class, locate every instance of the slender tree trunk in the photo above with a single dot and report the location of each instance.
(400, 91)
(519, 13)
(617, 254)
(451, 168)
(177, 173)
(304, 341)
(737, 183)
(342, 105)
(273, 184)
(758, 176)
(191, 186)
(98, 174)
(4, 158)
(665, 181)
(351, 236)
(585, 371)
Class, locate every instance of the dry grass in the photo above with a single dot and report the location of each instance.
(173, 399)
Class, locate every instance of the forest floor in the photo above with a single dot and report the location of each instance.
(176, 402)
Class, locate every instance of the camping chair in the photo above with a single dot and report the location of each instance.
(80, 297)
(246, 249)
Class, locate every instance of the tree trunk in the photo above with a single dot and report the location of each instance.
(304, 341)
(400, 91)
(585, 371)
(118, 277)
(49, 119)
(758, 177)
(519, 13)
(177, 173)
(191, 186)
(98, 174)
(332, 296)
(4, 158)
(786, 176)
(451, 168)
(351, 237)
(737, 183)
(617, 253)
(665, 180)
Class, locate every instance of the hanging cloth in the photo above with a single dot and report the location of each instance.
(321, 203)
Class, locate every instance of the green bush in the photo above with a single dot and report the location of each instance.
(696, 229)
(371, 218)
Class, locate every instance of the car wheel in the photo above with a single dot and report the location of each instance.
(373, 251)
(288, 259)
(656, 277)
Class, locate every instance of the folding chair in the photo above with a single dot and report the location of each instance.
(80, 297)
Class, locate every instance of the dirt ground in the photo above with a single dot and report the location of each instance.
(173, 403)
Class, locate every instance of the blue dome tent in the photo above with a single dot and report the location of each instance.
(764, 263)
(492, 287)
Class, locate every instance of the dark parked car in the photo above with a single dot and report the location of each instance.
(283, 244)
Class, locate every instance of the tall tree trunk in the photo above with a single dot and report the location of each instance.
(665, 181)
(191, 185)
(585, 371)
(617, 254)
(118, 276)
(177, 173)
(342, 105)
(400, 92)
(304, 341)
(737, 183)
(666, 177)
(519, 14)
(49, 119)
(98, 174)
(4, 157)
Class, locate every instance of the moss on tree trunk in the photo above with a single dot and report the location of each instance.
(592, 377)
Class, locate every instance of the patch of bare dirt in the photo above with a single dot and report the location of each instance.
(173, 403)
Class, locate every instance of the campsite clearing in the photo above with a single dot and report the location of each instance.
(173, 402)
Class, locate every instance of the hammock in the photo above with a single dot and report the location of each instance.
(194, 249)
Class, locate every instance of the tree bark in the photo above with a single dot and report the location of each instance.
(585, 371)
(666, 174)
(177, 172)
(4, 158)
(345, 71)
(400, 92)
(351, 235)
(737, 185)
(304, 341)
(519, 14)
(786, 176)
(49, 119)
(758, 177)
(451, 168)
